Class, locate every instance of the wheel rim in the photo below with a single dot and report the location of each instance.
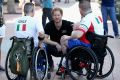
(85, 70)
(40, 69)
(9, 74)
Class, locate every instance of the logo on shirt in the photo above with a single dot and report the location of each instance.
(21, 27)
(99, 19)
(64, 31)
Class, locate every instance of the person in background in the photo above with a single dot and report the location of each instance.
(41, 1)
(2, 34)
(47, 8)
(1, 4)
(108, 9)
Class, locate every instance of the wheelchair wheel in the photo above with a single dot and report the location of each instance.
(8, 72)
(108, 64)
(81, 61)
(41, 64)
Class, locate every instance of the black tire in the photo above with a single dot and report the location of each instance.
(40, 64)
(109, 56)
(82, 55)
(8, 72)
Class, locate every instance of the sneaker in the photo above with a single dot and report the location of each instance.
(117, 36)
(1, 68)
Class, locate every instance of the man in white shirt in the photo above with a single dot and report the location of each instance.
(89, 23)
(27, 26)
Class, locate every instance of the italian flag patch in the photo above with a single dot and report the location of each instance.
(21, 27)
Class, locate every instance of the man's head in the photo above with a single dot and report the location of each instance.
(57, 14)
(29, 9)
(84, 6)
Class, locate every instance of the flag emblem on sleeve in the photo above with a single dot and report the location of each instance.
(98, 19)
(21, 27)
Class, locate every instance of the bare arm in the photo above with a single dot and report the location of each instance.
(48, 41)
(74, 35)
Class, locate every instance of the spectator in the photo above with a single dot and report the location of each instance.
(41, 1)
(47, 8)
(2, 34)
(66, 1)
(108, 9)
(1, 3)
(54, 30)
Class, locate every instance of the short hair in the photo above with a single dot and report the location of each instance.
(84, 5)
(28, 8)
(57, 9)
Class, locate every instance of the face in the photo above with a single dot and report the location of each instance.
(80, 10)
(57, 16)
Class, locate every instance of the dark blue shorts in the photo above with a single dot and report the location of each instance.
(75, 42)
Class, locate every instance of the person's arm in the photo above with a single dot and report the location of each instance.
(75, 35)
(48, 41)
(41, 35)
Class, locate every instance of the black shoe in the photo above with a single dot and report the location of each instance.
(117, 36)
(1, 68)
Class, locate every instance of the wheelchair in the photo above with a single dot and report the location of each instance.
(36, 57)
(95, 62)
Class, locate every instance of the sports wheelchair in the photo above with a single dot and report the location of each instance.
(95, 62)
(23, 55)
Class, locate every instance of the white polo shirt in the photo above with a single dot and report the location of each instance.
(27, 26)
(91, 23)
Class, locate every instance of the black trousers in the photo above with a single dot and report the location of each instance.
(52, 51)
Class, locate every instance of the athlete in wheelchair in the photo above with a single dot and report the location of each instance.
(86, 49)
(26, 50)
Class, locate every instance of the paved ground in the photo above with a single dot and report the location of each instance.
(71, 13)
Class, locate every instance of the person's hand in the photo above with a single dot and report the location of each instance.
(76, 26)
(58, 46)
(65, 37)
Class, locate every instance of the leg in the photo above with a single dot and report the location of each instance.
(64, 45)
(44, 17)
(1, 68)
(0, 49)
(49, 14)
(52, 50)
(113, 19)
(105, 16)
